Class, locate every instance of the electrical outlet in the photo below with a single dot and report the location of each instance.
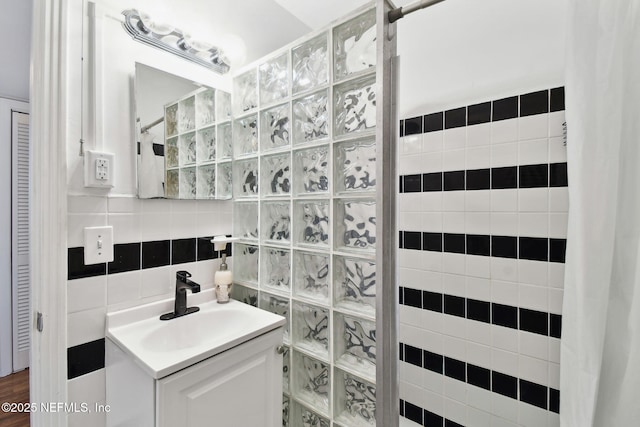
(98, 169)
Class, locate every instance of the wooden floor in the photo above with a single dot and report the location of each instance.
(14, 389)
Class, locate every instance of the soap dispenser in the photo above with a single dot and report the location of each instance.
(223, 278)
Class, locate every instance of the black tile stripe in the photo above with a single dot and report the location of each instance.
(538, 395)
(528, 104)
(529, 248)
(424, 417)
(524, 319)
(551, 175)
(85, 358)
(137, 255)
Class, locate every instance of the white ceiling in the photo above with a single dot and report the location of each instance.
(318, 13)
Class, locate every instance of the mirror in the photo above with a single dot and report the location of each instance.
(183, 130)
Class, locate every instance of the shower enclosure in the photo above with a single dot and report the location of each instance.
(314, 190)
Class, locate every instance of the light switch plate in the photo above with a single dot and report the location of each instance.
(98, 169)
(98, 245)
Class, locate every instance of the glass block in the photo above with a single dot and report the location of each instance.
(275, 127)
(355, 166)
(245, 263)
(225, 141)
(245, 92)
(311, 117)
(173, 184)
(206, 182)
(225, 174)
(245, 178)
(285, 411)
(171, 153)
(311, 276)
(355, 225)
(355, 106)
(188, 183)
(187, 149)
(245, 136)
(276, 175)
(205, 107)
(276, 269)
(354, 282)
(310, 64)
(187, 114)
(311, 328)
(355, 344)
(311, 222)
(274, 79)
(311, 381)
(303, 417)
(223, 106)
(245, 220)
(171, 120)
(244, 294)
(355, 400)
(354, 45)
(276, 222)
(206, 144)
(278, 305)
(311, 170)
(286, 368)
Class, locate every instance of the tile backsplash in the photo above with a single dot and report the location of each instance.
(482, 218)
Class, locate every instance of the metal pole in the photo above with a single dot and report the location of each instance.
(401, 12)
(152, 124)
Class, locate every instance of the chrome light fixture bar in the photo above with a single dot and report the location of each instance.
(173, 41)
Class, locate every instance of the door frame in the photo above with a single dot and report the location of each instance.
(49, 133)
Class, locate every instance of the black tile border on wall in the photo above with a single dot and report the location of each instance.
(528, 104)
(85, 358)
(525, 248)
(143, 255)
(538, 395)
(523, 319)
(544, 175)
(424, 417)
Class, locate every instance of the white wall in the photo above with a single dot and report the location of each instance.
(15, 50)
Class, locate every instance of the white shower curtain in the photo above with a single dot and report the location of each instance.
(600, 348)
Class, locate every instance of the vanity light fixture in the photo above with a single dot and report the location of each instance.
(172, 40)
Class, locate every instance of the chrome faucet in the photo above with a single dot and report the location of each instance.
(182, 284)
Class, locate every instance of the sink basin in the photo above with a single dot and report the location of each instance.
(164, 347)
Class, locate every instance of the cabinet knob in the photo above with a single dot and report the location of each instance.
(280, 349)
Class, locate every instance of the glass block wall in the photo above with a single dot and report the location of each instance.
(304, 189)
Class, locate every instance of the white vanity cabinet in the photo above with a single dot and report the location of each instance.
(240, 387)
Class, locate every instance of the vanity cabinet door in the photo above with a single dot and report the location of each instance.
(240, 387)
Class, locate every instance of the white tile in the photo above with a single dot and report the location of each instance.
(533, 200)
(155, 226)
(455, 327)
(431, 341)
(453, 263)
(431, 201)
(411, 335)
(504, 292)
(86, 293)
(429, 162)
(453, 160)
(478, 333)
(83, 419)
(124, 205)
(184, 206)
(453, 222)
(556, 275)
(453, 201)
(504, 224)
(431, 261)
(455, 138)
(505, 410)
(211, 225)
(432, 321)
(532, 416)
(478, 201)
(412, 220)
(478, 288)
(432, 142)
(559, 199)
(410, 315)
(505, 339)
(456, 411)
(504, 200)
(556, 297)
(478, 354)
(504, 269)
(481, 399)
(478, 157)
(554, 419)
(156, 206)
(454, 389)
(533, 370)
(455, 348)
(183, 225)
(413, 374)
(85, 326)
(558, 225)
(504, 131)
(554, 375)
(88, 388)
(432, 402)
(556, 123)
(411, 202)
(412, 144)
(124, 287)
(534, 345)
(533, 151)
(554, 350)
(478, 266)
(478, 135)
(533, 272)
(454, 284)
(532, 127)
(126, 227)
(505, 362)
(156, 281)
(429, 281)
(76, 224)
(86, 205)
(432, 222)
(557, 150)
(533, 225)
(503, 155)
(433, 382)
(477, 223)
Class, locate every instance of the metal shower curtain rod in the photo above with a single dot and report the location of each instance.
(401, 12)
(143, 129)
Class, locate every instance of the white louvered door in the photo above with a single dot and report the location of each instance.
(20, 268)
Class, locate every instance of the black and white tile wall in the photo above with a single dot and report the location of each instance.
(482, 219)
(153, 239)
